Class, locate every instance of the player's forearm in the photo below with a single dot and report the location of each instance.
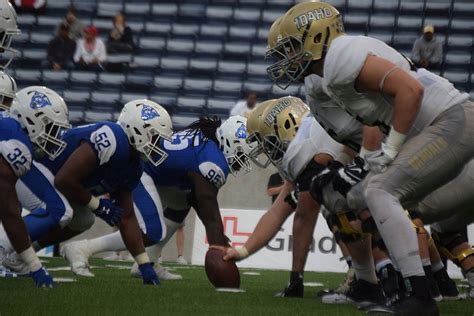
(72, 189)
(372, 137)
(131, 234)
(303, 226)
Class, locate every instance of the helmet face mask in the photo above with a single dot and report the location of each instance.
(290, 61)
(274, 148)
(146, 124)
(44, 116)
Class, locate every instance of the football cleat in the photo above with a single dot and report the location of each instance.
(13, 263)
(361, 293)
(447, 287)
(294, 289)
(77, 254)
(161, 271)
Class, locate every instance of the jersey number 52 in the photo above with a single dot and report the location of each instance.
(101, 141)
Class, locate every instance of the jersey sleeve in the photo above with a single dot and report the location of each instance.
(105, 143)
(17, 155)
(213, 173)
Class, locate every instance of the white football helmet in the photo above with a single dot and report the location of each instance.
(44, 115)
(145, 123)
(7, 91)
(232, 137)
(8, 29)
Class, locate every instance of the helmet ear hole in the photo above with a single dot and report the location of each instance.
(317, 38)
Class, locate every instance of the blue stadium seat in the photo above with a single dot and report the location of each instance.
(261, 88)
(139, 83)
(249, 15)
(55, 79)
(146, 62)
(179, 64)
(258, 51)
(168, 84)
(383, 22)
(40, 39)
(193, 104)
(204, 66)
(458, 60)
(384, 37)
(257, 69)
(242, 33)
(164, 9)
(76, 115)
(462, 26)
(439, 9)
(231, 67)
(127, 97)
(154, 28)
(237, 48)
(227, 86)
(386, 6)
(269, 16)
(359, 5)
(209, 47)
(50, 22)
(291, 90)
(192, 10)
(440, 24)
(27, 77)
(410, 23)
(141, 9)
(97, 116)
(168, 100)
(338, 4)
(356, 21)
(218, 13)
(26, 20)
(183, 46)
(108, 9)
(75, 97)
(136, 26)
(110, 81)
(105, 99)
(463, 9)
(185, 29)
(154, 44)
(83, 78)
(220, 105)
(460, 42)
(203, 86)
(411, 7)
(213, 31)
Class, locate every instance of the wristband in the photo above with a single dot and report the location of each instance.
(395, 140)
(243, 252)
(93, 203)
(31, 259)
(142, 258)
(364, 152)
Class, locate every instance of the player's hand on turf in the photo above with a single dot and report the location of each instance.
(42, 278)
(231, 254)
(109, 212)
(149, 275)
(379, 160)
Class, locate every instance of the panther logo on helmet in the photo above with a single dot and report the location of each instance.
(241, 132)
(39, 100)
(148, 113)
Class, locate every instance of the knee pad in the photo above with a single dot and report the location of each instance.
(447, 242)
(81, 220)
(369, 226)
(175, 215)
(348, 233)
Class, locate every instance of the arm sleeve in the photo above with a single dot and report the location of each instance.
(415, 52)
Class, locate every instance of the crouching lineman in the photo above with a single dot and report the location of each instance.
(427, 121)
(106, 158)
(199, 161)
(40, 116)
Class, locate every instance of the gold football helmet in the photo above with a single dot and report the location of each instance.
(304, 35)
(254, 140)
(279, 125)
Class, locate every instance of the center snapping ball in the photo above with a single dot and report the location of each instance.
(222, 274)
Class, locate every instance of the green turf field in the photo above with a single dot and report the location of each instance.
(114, 292)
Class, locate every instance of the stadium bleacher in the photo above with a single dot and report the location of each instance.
(201, 66)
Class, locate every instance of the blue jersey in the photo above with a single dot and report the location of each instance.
(116, 170)
(189, 153)
(15, 146)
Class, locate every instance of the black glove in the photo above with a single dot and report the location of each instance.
(295, 288)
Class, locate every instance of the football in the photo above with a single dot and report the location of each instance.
(222, 274)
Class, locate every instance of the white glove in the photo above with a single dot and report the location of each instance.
(380, 159)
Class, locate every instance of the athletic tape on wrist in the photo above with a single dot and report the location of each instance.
(93, 203)
(31, 259)
(142, 258)
(243, 252)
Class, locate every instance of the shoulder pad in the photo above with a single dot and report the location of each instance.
(104, 142)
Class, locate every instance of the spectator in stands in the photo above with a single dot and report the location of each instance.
(427, 51)
(245, 106)
(90, 51)
(61, 49)
(120, 37)
(76, 27)
(35, 7)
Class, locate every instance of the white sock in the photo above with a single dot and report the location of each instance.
(381, 264)
(435, 267)
(365, 271)
(5, 241)
(154, 252)
(426, 261)
(396, 230)
(110, 242)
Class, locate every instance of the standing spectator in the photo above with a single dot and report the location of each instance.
(90, 51)
(76, 27)
(180, 244)
(35, 7)
(120, 37)
(427, 51)
(61, 49)
(244, 107)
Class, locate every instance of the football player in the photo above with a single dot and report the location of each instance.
(426, 120)
(35, 129)
(199, 160)
(106, 158)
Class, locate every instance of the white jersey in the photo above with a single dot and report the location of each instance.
(310, 140)
(342, 127)
(342, 65)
